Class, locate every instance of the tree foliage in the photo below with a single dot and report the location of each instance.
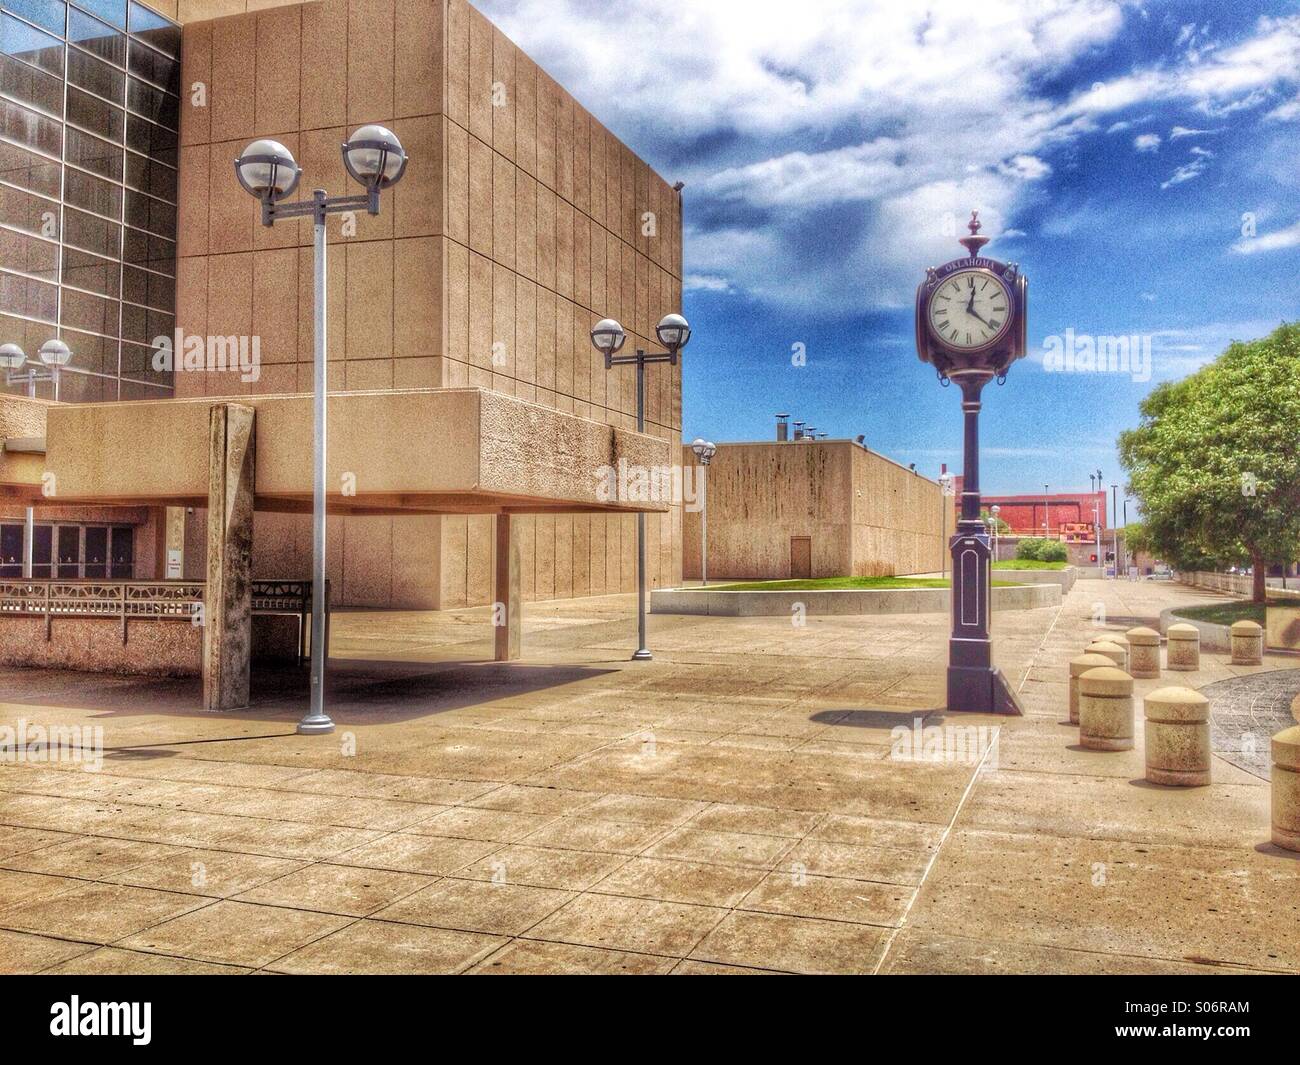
(1215, 460)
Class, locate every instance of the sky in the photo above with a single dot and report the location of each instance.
(1139, 161)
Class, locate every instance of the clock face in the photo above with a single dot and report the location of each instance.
(970, 310)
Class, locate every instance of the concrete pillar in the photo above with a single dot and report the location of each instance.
(1286, 788)
(1113, 651)
(507, 596)
(1177, 737)
(228, 604)
(1078, 667)
(1183, 652)
(1106, 710)
(1247, 643)
(1144, 656)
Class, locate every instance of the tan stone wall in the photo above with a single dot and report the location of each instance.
(865, 515)
(514, 229)
(897, 515)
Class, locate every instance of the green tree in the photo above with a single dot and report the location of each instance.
(1215, 460)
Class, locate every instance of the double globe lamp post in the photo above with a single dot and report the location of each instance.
(54, 355)
(374, 157)
(608, 337)
(704, 452)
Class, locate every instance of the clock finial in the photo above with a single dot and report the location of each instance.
(974, 242)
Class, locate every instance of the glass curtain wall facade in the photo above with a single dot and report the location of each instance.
(89, 120)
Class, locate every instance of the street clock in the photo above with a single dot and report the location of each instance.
(972, 313)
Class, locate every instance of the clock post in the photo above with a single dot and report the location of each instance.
(971, 324)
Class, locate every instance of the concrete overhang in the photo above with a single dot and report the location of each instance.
(433, 451)
(22, 432)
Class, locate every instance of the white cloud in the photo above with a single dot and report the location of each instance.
(868, 123)
(1179, 132)
(1275, 241)
(1147, 142)
(706, 283)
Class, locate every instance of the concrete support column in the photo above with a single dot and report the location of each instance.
(1178, 738)
(1144, 653)
(1184, 648)
(507, 604)
(1247, 643)
(1106, 710)
(228, 606)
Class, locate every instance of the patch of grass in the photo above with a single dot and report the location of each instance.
(823, 584)
(1028, 563)
(1225, 613)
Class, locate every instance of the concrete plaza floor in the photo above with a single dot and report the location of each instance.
(736, 805)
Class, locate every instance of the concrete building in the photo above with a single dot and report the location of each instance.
(520, 222)
(803, 508)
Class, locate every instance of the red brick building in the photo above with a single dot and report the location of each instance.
(1043, 515)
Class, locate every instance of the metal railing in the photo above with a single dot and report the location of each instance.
(146, 601)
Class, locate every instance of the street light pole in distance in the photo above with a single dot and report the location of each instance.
(704, 452)
(54, 355)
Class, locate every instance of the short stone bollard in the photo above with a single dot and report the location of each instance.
(1078, 667)
(1144, 661)
(1286, 788)
(1121, 641)
(1247, 643)
(1183, 652)
(1113, 651)
(1106, 710)
(1178, 737)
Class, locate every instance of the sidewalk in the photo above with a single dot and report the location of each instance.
(731, 806)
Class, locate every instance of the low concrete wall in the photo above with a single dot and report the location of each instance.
(1233, 583)
(153, 648)
(1064, 577)
(1213, 637)
(706, 601)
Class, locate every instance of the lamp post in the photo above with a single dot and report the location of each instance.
(995, 510)
(54, 355)
(374, 157)
(1127, 552)
(1114, 533)
(1096, 520)
(947, 490)
(704, 451)
(1047, 512)
(608, 337)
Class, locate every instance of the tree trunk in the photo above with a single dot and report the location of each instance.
(1258, 593)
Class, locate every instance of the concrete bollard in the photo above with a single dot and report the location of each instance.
(1117, 655)
(1078, 667)
(1247, 643)
(1144, 662)
(1183, 652)
(1120, 640)
(1286, 788)
(1106, 710)
(1178, 737)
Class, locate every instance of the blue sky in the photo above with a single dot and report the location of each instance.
(1140, 161)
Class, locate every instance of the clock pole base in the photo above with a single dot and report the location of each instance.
(981, 690)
